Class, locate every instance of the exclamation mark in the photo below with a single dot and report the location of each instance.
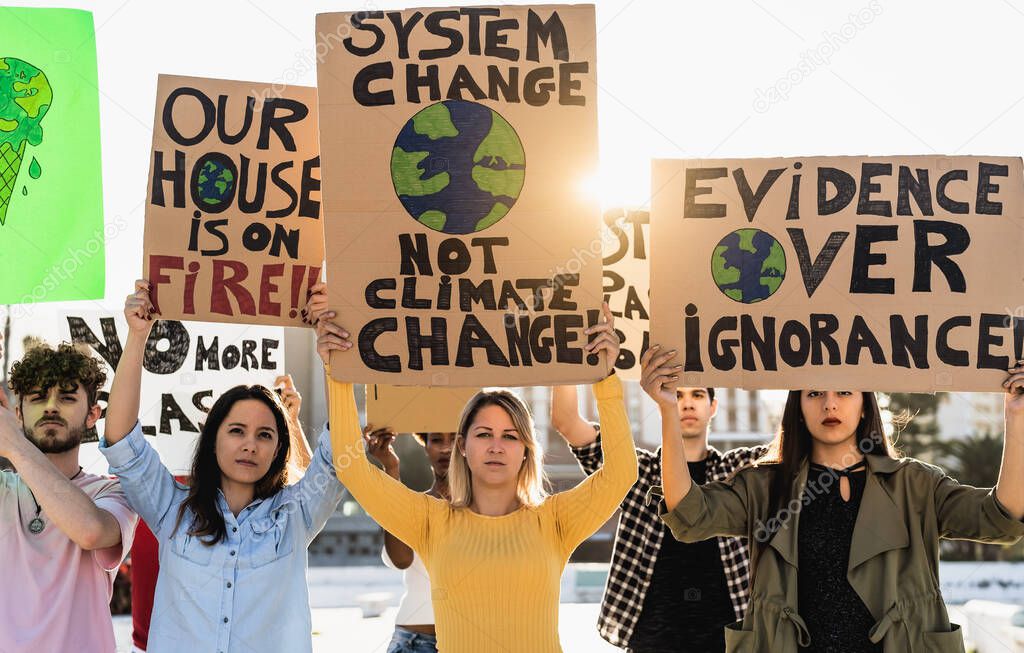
(298, 275)
(593, 318)
(1018, 338)
(312, 279)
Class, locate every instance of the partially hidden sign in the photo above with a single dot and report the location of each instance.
(860, 273)
(187, 366)
(627, 280)
(455, 215)
(412, 409)
(233, 230)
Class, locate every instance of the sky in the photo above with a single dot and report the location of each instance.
(677, 80)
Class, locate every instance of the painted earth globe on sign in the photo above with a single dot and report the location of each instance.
(458, 167)
(748, 265)
(215, 184)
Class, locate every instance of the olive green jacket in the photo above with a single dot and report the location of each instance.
(906, 507)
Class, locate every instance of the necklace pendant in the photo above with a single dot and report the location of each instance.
(36, 526)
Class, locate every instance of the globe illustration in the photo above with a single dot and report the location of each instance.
(215, 183)
(748, 265)
(458, 167)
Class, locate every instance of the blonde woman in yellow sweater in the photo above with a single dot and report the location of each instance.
(496, 552)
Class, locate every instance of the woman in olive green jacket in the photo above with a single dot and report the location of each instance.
(888, 599)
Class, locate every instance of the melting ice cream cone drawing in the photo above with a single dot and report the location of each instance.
(25, 97)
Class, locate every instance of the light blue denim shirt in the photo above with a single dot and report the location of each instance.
(246, 594)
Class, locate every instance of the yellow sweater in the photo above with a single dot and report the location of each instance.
(495, 580)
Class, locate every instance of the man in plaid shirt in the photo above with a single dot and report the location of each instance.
(664, 595)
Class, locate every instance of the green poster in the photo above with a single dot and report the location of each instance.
(51, 194)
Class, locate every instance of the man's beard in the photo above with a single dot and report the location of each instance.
(48, 444)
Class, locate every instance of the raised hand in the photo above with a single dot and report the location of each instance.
(1014, 385)
(656, 374)
(290, 397)
(316, 305)
(330, 337)
(379, 446)
(138, 309)
(607, 341)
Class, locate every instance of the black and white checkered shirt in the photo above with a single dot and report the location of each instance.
(638, 539)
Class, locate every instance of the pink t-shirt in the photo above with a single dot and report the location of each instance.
(54, 595)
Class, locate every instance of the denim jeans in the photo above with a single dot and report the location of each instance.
(406, 641)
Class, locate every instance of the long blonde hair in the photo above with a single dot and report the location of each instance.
(530, 484)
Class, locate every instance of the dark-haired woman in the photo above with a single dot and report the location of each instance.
(233, 544)
(844, 533)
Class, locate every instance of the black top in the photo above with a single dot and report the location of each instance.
(687, 603)
(836, 617)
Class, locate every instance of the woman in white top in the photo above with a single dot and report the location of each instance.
(414, 625)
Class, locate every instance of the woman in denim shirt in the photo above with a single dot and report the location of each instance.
(233, 545)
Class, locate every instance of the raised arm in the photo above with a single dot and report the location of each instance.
(565, 417)
(123, 404)
(302, 455)
(1010, 486)
(657, 378)
(149, 485)
(399, 510)
(581, 510)
(71, 510)
(378, 444)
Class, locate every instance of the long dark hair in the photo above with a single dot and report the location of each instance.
(793, 442)
(206, 473)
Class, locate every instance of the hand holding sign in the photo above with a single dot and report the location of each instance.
(316, 304)
(1014, 385)
(657, 378)
(378, 446)
(330, 337)
(138, 309)
(604, 338)
(290, 397)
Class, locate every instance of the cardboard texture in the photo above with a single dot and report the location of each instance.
(52, 233)
(186, 368)
(627, 280)
(898, 273)
(462, 248)
(409, 409)
(233, 230)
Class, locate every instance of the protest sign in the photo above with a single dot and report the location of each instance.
(412, 409)
(455, 213)
(51, 191)
(233, 231)
(897, 273)
(187, 365)
(627, 277)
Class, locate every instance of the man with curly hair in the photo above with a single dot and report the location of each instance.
(63, 532)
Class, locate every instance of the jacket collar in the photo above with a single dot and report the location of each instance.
(880, 525)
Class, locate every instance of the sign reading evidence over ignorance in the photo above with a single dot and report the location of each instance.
(862, 273)
(454, 210)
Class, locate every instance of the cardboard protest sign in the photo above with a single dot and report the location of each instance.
(860, 273)
(412, 409)
(454, 213)
(627, 278)
(187, 365)
(51, 191)
(233, 230)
